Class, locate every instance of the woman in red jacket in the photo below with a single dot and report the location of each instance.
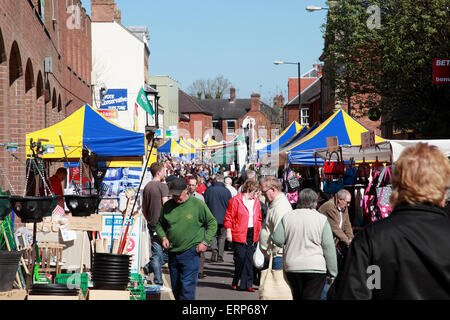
(243, 222)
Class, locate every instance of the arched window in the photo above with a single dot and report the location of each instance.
(47, 92)
(15, 63)
(39, 85)
(59, 103)
(54, 98)
(29, 76)
(2, 49)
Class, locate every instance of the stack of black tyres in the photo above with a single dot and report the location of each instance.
(111, 271)
(48, 289)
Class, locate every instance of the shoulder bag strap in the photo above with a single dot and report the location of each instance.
(270, 261)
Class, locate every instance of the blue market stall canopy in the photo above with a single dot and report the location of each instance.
(284, 138)
(340, 124)
(87, 127)
(300, 135)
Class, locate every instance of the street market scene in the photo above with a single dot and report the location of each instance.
(117, 183)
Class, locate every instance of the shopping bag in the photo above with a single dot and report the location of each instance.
(258, 258)
(273, 284)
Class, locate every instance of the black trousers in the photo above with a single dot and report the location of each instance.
(243, 262)
(306, 286)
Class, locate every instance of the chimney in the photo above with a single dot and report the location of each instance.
(255, 102)
(319, 70)
(232, 94)
(105, 11)
(278, 101)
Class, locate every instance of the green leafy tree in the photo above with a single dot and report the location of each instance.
(380, 53)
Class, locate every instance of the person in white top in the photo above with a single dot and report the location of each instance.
(228, 184)
(309, 252)
(279, 206)
(243, 223)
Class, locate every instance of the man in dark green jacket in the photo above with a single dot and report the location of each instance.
(181, 227)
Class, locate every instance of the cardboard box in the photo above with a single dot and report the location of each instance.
(108, 294)
(16, 294)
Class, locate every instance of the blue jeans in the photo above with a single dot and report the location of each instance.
(159, 257)
(183, 269)
(277, 263)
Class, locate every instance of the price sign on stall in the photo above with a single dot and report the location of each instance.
(332, 144)
(367, 140)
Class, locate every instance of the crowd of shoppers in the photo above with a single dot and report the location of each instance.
(309, 242)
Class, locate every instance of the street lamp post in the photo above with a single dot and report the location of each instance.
(153, 97)
(298, 78)
(315, 8)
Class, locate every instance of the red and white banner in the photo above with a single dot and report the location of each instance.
(441, 71)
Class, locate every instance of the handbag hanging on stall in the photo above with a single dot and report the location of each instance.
(332, 186)
(333, 167)
(350, 174)
(384, 191)
(363, 173)
(367, 202)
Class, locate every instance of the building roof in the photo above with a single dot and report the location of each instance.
(223, 109)
(309, 94)
(186, 104)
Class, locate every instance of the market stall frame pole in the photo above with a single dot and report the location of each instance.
(150, 135)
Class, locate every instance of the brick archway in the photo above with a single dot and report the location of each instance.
(2, 48)
(15, 124)
(39, 85)
(15, 63)
(29, 76)
(59, 103)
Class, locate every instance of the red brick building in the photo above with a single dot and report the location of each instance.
(228, 116)
(194, 121)
(45, 68)
(309, 111)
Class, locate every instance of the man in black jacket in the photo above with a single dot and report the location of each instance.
(216, 198)
(405, 256)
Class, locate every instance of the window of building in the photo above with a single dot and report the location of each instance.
(304, 116)
(217, 124)
(231, 126)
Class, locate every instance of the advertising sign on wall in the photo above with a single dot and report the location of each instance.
(115, 99)
(441, 71)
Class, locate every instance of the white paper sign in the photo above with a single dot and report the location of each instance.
(66, 234)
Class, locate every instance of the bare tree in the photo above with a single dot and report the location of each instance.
(209, 88)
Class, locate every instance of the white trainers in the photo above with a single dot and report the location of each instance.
(163, 288)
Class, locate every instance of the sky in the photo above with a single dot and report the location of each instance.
(238, 39)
